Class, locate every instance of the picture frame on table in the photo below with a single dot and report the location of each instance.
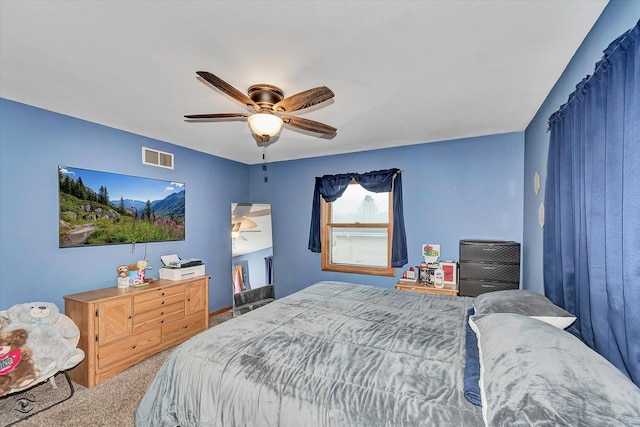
(450, 269)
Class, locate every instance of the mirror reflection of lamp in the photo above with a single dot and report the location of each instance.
(235, 230)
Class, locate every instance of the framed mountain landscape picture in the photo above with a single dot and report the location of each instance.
(102, 208)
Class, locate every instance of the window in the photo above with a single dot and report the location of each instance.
(330, 188)
(357, 231)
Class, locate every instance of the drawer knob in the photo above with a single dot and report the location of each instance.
(133, 347)
(188, 299)
(162, 321)
(162, 303)
(129, 317)
(162, 294)
(185, 326)
(162, 313)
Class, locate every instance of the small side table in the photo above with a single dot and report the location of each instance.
(429, 289)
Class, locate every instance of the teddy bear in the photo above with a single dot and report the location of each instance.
(4, 320)
(48, 339)
(17, 369)
(123, 276)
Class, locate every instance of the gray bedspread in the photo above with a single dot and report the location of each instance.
(333, 354)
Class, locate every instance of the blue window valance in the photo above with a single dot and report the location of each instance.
(331, 187)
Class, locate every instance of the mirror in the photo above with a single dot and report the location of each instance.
(252, 247)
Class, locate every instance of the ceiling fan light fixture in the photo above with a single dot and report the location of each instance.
(264, 124)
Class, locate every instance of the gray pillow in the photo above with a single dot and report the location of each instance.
(526, 303)
(532, 373)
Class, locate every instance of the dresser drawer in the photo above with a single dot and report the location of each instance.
(155, 294)
(157, 324)
(157, 305)
(473, 288)
(130, 348)
(180, 330)
(490, 271)
(497, 252)
(168, 314)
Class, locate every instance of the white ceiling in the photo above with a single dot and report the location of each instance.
(403, 72)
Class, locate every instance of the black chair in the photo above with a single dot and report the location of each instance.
(245, 301)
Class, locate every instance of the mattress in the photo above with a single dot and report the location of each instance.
(333, 354)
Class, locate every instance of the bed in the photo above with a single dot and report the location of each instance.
(342, 354)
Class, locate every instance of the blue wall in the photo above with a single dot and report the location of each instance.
(467, 188)
(33, 142)
(617, 17)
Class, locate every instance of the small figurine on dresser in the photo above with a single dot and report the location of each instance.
(137, 272)
(123, 276)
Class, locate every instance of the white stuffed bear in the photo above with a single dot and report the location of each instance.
(48, 339)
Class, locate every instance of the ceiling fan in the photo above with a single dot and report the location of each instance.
(241, 221)
(270, 109)
(236, 230)
(242, 215)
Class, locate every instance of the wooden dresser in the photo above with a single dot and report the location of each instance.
(120, 327)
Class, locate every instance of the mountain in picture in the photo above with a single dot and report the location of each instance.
(99, 208)
(172, 206)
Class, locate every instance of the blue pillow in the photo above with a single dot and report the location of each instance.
(472, 365)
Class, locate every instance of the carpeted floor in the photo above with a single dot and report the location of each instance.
(108, 404)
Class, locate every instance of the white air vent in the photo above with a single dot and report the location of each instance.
(157, 158)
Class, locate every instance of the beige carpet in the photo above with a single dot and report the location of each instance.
(108, 404)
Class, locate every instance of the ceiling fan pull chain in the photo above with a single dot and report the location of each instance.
(264, 162)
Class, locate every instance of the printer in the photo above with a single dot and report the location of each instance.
(174, 268)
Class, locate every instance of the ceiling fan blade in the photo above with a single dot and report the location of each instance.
(304, 99)
(218, 116)
(228, 89)
(310, 125)
(240, 211)
(247, 223)
(261, 212)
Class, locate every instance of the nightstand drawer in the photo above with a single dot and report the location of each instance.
(427, 289)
